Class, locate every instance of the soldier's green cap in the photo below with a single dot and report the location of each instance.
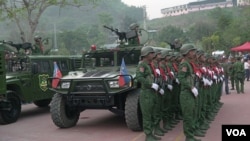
(157, 51)
(165, 53)
(186, 48)
(146, 50)
(200, 52)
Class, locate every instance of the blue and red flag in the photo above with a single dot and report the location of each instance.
(123, 80)
(56, 75)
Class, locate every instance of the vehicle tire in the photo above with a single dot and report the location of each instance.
(11, 116)
(62, 114)
(42, 103)
(133, 115)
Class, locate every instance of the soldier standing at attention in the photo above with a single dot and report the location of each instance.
(158, 79)
(188, 91)
(144, 75)
(239, 75)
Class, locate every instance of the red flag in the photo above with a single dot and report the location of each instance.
(56, 75)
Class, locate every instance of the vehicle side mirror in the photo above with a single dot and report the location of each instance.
(34, 68)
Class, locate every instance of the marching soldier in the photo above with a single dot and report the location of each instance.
(189, 92)
(144, 75)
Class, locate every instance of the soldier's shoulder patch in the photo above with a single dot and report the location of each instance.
(142, 69)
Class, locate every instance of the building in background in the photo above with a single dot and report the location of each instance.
(202, 5)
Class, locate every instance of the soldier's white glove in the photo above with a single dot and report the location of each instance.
(170, 87)
(223, 76)
(195, 91)
(172, 73)
(155, 86)
(210, 82)
(161, 91)
(204, 69)
(214, 77)
(221, 79)
(177, 81)
(157, 71)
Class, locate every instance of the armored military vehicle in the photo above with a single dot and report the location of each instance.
(101, 86)
(24, 79)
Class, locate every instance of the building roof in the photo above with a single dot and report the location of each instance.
(205, 2)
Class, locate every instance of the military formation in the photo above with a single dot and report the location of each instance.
(184, 85)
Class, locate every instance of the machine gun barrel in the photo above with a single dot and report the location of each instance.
(18, 46)
(121, 35)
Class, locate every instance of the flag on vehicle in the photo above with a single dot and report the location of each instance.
(56, 75)
(123, 80)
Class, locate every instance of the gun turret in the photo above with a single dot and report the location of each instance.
(19, 46)
(121, 35)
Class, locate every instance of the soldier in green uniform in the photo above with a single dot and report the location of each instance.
(144, 75)
(166, 97)
(169, 120)
(38, 46)
(158, 79)
(231, 72)
(238, 69)
(188, 91)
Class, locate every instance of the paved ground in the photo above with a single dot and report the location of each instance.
(35, 124)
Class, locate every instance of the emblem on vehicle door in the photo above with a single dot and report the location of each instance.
(43, 81)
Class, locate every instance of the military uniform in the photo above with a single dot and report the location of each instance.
(238, 69)
(188, 93)
(158, 79)
(37, 48)
(144, 75)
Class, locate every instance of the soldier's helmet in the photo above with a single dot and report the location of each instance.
(157, 51)
(176, 40)
(133, 26)
(186, 48)
(146, 50)
(36, 38)
(164, 54)
(199, 52)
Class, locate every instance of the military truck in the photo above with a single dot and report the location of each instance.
(24, 79)
(99, 88)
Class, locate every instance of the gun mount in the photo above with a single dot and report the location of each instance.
(121, 35)
(132, 37)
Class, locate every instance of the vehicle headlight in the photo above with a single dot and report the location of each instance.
(65, 85)
(113, 84)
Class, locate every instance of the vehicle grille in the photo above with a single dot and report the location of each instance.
(87, 87)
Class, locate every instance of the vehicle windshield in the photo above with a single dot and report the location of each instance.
(108, 58)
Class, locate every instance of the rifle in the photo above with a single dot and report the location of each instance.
(121, 35)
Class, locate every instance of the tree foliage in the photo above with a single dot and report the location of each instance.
(28, 12)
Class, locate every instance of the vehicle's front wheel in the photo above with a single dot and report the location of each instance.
(63, 115)
(12, 114)
(42, 103)
(133, 115)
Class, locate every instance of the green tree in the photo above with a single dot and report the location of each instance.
(28, 12)
(169, 34)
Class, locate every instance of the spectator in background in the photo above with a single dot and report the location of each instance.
(239, 75)
(247, 69)
(226, 67)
